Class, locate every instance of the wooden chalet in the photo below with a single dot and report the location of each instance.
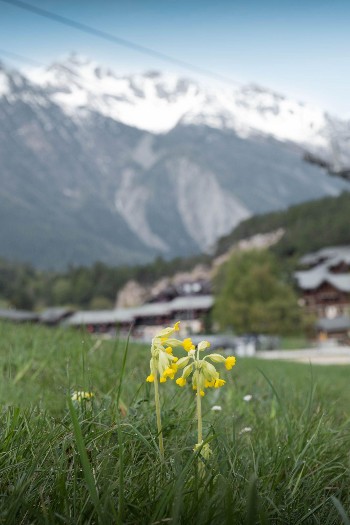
(325, 282)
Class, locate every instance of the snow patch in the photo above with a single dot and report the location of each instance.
(4, 84)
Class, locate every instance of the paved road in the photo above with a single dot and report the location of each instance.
(336, 355)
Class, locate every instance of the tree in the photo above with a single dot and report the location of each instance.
(253, 298)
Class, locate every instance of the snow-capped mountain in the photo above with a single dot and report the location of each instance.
(100, 166)
(157, 102)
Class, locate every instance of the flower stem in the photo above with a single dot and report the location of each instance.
(157, 402)
(199, 416)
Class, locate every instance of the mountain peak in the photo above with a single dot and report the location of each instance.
(156, 102)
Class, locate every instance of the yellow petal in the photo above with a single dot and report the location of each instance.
(188, 345)
(230, 362)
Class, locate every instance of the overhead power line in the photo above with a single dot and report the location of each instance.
(117, 40)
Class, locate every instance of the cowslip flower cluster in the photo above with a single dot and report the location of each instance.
(204, 373)
(164, 365)
(163, 362)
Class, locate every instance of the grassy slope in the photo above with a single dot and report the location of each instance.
(297, 450)
(309, 226)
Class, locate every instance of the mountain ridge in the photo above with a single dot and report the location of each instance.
(80, 185)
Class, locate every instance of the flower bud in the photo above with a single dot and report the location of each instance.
(203, 345)
(209, 371)
(181, 363)
(187, 371)
(216, 358)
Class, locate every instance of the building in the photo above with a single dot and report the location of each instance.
(101, 321)
(325, 282)
(146, 319)
(18, 316)
(337, 328)
(55, 315)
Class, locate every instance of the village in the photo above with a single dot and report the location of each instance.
(322, 281)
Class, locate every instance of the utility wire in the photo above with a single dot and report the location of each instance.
(117, 40)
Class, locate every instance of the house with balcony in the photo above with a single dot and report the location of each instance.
(324, 282)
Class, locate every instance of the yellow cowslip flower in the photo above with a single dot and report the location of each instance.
(170, 372)
(163, 363)
(162, 356)
(80, 396)
(204, 375)
(230, 362)
(166, 332)
(188, 345)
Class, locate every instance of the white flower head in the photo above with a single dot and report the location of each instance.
(80, 396)
(245, 430)
(216, 408)
(248, 398)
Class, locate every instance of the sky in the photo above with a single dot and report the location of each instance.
(298, 48)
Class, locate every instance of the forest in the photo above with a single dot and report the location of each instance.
(308, 227)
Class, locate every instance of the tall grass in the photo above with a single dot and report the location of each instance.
(89, 462)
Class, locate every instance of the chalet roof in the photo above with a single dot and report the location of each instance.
(332, 254)
(312, 279)
(18, 315)
(192, 302)
(152, 309)
(128, 315)
(334, 325)
(121, 315)
(325, 260)
(54, 314)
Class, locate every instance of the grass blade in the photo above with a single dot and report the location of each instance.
(89, 477)
(341, 510)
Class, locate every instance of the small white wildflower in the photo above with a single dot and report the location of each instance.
(245, 430)
(248, 397)
(216, 408)
(80, 396)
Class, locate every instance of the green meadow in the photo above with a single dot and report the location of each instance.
(281, 458)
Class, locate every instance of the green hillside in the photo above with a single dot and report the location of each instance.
(308, 226)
